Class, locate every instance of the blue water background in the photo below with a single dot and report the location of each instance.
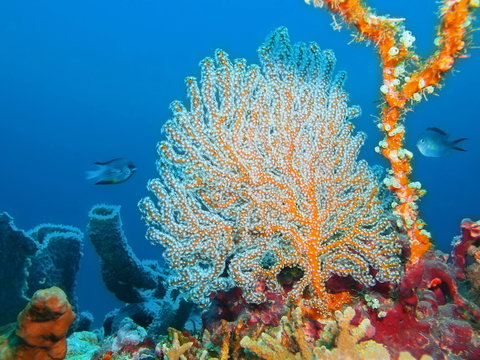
(85, 81)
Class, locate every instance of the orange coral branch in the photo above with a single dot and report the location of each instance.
(401, 85)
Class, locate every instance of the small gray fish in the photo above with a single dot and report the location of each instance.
(435, 143)
(115, 171)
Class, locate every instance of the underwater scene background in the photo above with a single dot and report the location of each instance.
(90, 81)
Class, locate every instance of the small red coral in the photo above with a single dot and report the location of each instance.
(470, 237)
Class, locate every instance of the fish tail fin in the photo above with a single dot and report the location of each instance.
(92, 174)
(458, 141)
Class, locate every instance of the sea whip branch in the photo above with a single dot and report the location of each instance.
(402, 84)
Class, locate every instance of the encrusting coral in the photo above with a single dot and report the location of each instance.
(261, 175)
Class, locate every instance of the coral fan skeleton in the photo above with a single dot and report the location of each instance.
(261, 174)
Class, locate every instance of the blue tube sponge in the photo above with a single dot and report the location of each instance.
(49, 255)
(57, 260)
(123, 273)
(16, 250)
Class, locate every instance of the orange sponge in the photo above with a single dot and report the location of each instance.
(42, 326)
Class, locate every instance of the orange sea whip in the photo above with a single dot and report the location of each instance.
(403, 87)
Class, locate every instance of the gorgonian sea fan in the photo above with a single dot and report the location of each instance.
(261, 174)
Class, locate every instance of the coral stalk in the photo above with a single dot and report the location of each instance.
(403, 86)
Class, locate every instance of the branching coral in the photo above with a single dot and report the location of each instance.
(348, 344)
(176, 351)
(402, 86)
(261, 174)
